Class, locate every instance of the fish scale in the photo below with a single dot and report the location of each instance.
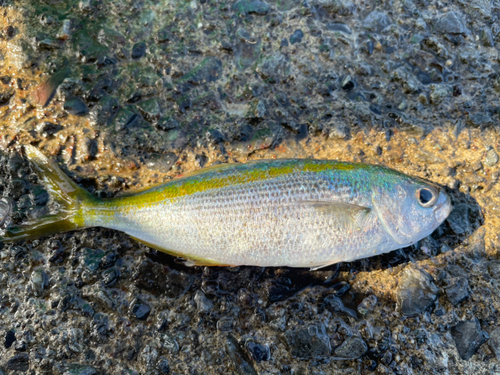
(296, 212)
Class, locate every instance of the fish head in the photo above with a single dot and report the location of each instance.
(411, 209)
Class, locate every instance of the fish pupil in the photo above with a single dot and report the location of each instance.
(425, 196)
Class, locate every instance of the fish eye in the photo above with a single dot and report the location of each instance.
(426, 197)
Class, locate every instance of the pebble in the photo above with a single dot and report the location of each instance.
(259, 352)
(352, 348)
(335, 304)
(80, 369)
(76, 106)
(451, 22)
(308, 343)
(163, 366)
(458, 290)
(238, 357)
(468, 337)
(376, 21)
(10, 337)
(416, 291)
(251, 7)
(494, 342)
(340, 7)
(491, 158)
(140, 309)
(138, 51)
(18, 362)
(367, 305)
(202, 302)
(6, 206)
(296, 37)
(494, 269)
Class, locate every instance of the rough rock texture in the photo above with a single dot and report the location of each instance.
(126, 93)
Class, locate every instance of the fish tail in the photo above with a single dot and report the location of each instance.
(71, 198)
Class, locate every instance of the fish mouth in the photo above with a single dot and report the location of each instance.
(443, 207)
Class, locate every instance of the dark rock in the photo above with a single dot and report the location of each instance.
(480, 119)
(140, 309)
(167, 123)
(494, 269)
(48, 129)
(5, 97)
(308, 343)
(468, 337)
(494, 342)
(91, 259)
(458, 290)
(20, 346)
(352, 348)
(163, 366)
(340, 7)
(6, 207)
(367, 305)
(214, 136)
(338, 26)
(251, 6)
(376, 21)
(273, 67)
(156, 279)
(110, 276)
(451, 23)
(202, 302)
(125, 118)
(335, 304)
(259, 352)
(225, 324)
(416, 291)
(284, 42)
(5, 80)
(164, 36)
(138, 51)
(296, 37)
(80, 369)
(209, 70)
(10, 337)
(46, 91)
(150, 109)
(162, 162)
(18, 362)
(348, 83)
(75, 106)
(240, 360)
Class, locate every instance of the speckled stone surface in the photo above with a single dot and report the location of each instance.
(124, 94)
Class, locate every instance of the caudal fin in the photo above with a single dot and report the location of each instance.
(63, 190)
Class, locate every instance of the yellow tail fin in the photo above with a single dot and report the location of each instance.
(62, 189)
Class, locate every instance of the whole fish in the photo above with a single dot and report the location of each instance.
(292, 212)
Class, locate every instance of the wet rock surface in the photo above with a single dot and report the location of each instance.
(125, 94)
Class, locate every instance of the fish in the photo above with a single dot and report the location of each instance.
(268, 213)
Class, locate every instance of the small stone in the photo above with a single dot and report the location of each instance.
(335, 304)
(352, 348)
(5, 97)
(140, 309)
(438, 94)
(39, 281)
(80, 369)
(376, 21)
(491, 158)
(125, 119)
(468, 337)
(10, 337)
(494, 342)
(138, 51)
(238, 357)
(348, 83)
(150, 109)
(451, 23)
(163, 366)
(416, 291)
(6, 207)
(480, 119)
(75, 106)
(340, 7)
(39, 195)
(251, 6)
(296, 37)
(259, 352)
(202, 302)
(458, 290)
(494, 269)
(225, 324)
(308, 343)
(18, 362)
(110, 276)
(273, 67)
(367, 305)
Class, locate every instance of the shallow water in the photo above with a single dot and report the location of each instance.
(124, 94)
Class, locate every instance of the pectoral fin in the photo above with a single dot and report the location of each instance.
(345, 213)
